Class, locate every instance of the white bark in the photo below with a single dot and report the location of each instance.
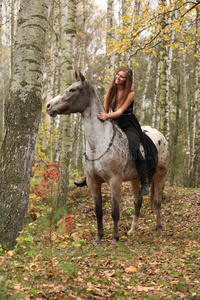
(67, 67)
(169, 67)
(147, 77)
(23, 110)
(109, 38)
(155, 116)
(195, 151)
(186, 131)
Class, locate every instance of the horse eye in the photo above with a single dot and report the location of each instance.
(72, 90)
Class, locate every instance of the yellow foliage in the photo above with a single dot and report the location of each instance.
(146, 28)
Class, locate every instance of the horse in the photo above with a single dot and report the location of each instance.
(107, 157)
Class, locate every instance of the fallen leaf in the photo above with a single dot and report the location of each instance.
(131, 269)
(89, 285)
(144, 288)
(109, 273)
(17, 286)
(10, 253)
(194, 294)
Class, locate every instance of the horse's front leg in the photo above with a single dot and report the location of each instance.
(116, 191)
(135, 189)
(97, 197)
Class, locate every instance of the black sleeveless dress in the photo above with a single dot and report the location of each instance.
(128, 122)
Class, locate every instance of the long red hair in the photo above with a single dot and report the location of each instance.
(111, 95)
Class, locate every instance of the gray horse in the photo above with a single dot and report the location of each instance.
(107, 157)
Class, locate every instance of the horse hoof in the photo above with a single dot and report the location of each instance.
(159, 233)
(130, 232)
(114, 244)
(133, 230)
(96, 242)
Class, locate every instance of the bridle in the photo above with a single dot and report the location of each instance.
(109, 145)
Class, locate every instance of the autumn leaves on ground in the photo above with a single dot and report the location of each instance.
(55, 258)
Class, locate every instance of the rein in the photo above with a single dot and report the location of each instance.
(110, 144)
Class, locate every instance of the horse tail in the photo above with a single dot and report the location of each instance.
(152, 193)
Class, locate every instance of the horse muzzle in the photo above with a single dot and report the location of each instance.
(51, 110)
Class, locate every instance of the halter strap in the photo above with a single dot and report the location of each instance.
(109, 145)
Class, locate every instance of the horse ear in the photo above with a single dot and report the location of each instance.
(82, 78)
(76, 75)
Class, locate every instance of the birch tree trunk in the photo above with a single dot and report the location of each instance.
(174, 138)
(155, 115)
(5, 61)
(147, 77)
(163, 78)
(1, 81)
(109, 37)
(1, 22)
(12, 37)
(195, 165)
(169, 67)
(186, 131)
(51, 53)
(66, 120)
(23, 111)
(82, 57)
(126, 24)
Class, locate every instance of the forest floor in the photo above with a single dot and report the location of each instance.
(55, 258)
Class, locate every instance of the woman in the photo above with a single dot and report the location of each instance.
(120, 98)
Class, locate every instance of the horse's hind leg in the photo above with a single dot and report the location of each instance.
(135, 189)
(97, 197)
(116, 191)
(158, 186)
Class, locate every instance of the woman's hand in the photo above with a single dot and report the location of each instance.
(102, 116)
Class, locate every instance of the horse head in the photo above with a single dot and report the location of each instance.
(74, 99)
